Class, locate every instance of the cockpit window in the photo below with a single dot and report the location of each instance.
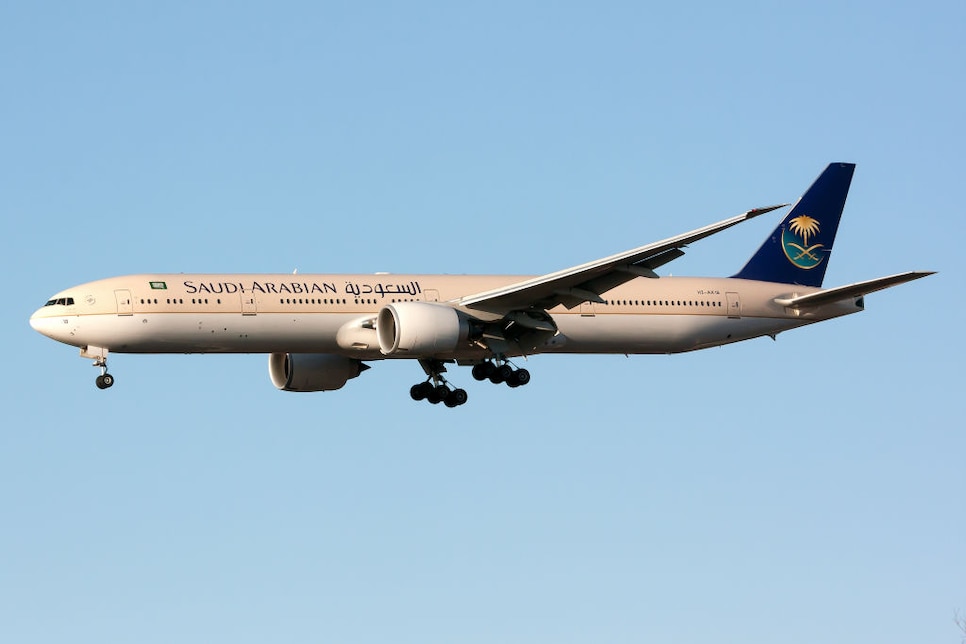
(60, 301)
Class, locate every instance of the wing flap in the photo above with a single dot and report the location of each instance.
(848, 291)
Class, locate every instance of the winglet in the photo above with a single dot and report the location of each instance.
(754, 212)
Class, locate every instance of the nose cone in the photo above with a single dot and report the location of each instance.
(52, 327)
(38, 322)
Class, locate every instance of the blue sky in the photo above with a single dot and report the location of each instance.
(806, 489)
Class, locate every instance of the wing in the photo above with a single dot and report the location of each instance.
(848, 291)
(585, 283)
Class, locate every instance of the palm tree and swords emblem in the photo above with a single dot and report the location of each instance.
(802, 255)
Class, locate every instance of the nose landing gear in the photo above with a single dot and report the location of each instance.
(99, 355)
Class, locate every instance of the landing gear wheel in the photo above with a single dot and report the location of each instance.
(420, 391)
(104, 381)
(438, 394)
(502, 373)
(483, 370)
(456, 398)
(520, 378)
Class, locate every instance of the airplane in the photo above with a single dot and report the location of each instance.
(320, 331)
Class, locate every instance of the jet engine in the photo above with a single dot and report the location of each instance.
(420, 329)
(312, 371)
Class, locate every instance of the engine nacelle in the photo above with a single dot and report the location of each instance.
(312, 371)
(420, 329)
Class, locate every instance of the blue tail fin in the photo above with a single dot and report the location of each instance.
(797, 252)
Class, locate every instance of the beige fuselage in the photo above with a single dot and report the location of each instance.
(279, 313)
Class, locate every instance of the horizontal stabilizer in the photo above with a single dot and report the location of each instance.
(850, 290)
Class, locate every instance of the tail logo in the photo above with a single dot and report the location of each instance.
(795, 242)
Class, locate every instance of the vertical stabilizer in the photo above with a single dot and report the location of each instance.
(798, 251)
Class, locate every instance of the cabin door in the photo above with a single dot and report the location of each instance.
(249, 306)
(125, 306)
(734, 305)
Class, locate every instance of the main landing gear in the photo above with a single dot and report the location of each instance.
(437, 390)
(503, 372)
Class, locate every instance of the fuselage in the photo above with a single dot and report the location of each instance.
(279, 313)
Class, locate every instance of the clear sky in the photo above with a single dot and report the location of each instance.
(809, 489)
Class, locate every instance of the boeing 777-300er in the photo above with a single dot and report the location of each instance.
(321, 330)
